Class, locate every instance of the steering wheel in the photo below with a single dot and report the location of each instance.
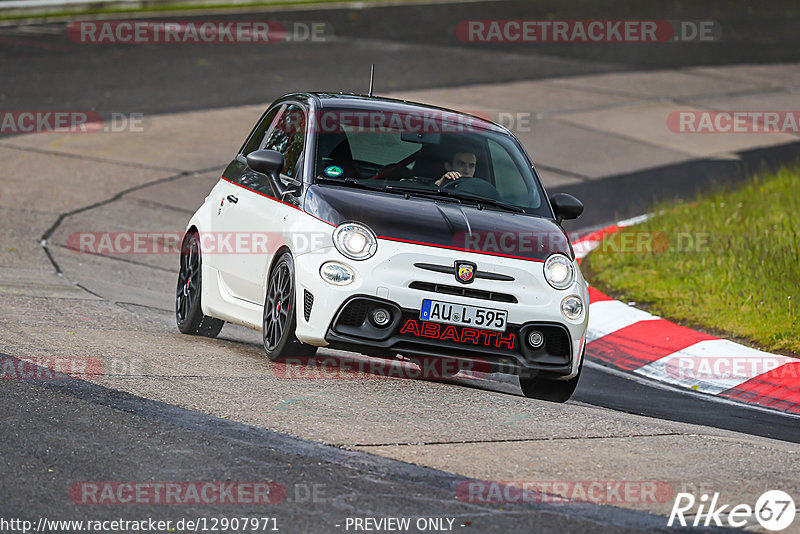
(473, 186)
(393, 167)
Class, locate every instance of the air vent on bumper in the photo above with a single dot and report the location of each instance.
(308, 303)
(463, 291)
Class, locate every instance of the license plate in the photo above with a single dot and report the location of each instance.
(437, 311)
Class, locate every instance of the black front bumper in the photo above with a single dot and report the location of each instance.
(353, 330)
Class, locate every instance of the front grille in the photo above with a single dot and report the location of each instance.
(556, 350)
(450, 269)
(463, 291)
(355, 313)
(308, 303)
(556, 341)
(352, 321)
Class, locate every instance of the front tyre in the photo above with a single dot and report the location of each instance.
(550, 390)
(280, 320)
(188, 312)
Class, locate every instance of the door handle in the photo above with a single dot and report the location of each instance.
(232, 199)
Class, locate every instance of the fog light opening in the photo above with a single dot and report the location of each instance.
(535, 339)
(336, 273)
(572, 307)
(381, 317)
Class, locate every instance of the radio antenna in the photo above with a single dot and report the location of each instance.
(371, 77)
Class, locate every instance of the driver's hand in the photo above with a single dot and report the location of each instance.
(451, 175)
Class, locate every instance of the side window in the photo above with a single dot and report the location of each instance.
(257, 136)
(288, 138)
(510, 183)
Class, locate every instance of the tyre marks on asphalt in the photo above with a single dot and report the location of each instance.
(129, 432)
(114, 198)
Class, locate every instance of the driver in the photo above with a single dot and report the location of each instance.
(462, 165)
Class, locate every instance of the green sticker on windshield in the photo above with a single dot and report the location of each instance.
(333, 171)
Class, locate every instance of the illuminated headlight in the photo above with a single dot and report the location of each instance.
(558, 271)
(355, 241)
(336, 273)
(572, 307)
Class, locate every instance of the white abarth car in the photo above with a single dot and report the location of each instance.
(389, 228)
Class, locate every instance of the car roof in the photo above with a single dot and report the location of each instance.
(326, 100)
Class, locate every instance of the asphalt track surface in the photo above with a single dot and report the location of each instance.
(122, 437)
(59, 428)
(413, 47)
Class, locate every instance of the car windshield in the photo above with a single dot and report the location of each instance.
(447, 156)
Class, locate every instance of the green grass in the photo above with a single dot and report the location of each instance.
(728, 262)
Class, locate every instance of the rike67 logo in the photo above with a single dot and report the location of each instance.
(774, 510)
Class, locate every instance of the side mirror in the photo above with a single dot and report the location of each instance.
(566, 206)
(269, 162)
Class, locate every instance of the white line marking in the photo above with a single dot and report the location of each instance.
(584, 247)
(634, 220)
(608, 316)
(712, 366)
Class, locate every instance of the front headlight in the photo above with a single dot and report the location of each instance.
(558, 271)
(355, 241)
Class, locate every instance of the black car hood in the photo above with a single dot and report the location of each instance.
(439, 223)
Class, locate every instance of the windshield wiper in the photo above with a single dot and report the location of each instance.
(457, 197)
(350, 182)
(489, 201)
(479, 200)
(435, 194)
(438, 194)
(427, 193)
